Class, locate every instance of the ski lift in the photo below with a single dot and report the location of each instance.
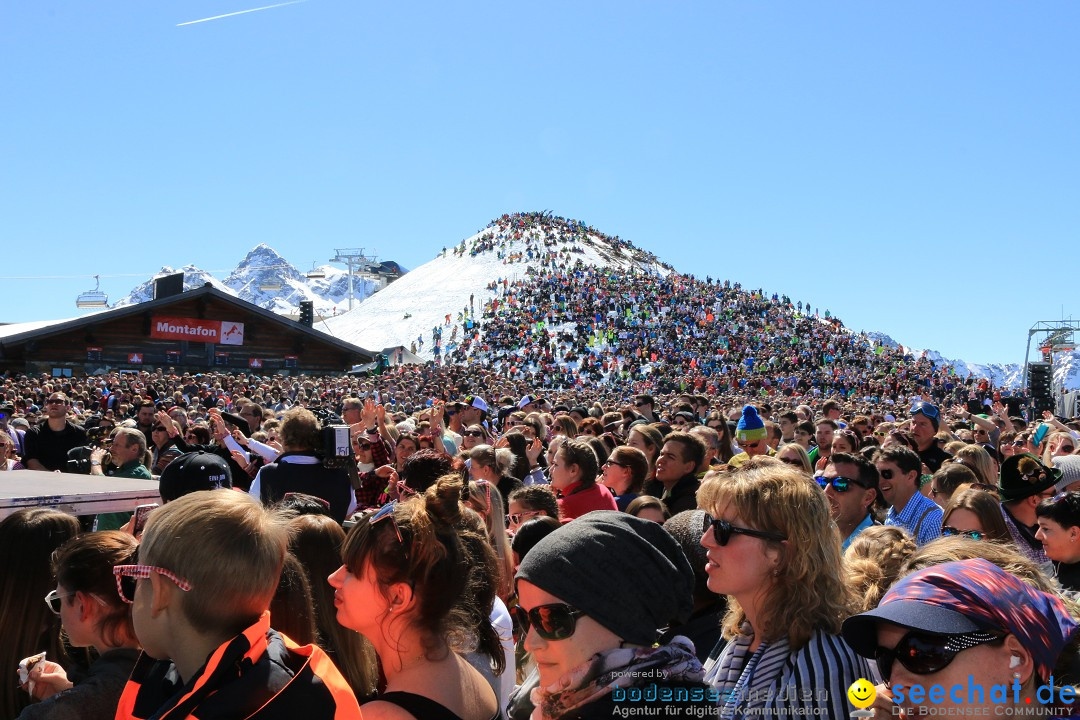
(93, 298)
(270, 285)
(315, 273)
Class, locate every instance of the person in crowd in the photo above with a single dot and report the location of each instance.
(94, 617)
(489, 505)
(948, 478)
(1069, 467)
(401, 586)
(316, 541)
(624, 473)
(726, 448)
(963, 624)
(873, 562)
(7, 453)
(292, 606)
(28, 538)
(583, 644)
(1058, 444)
(530, 502)
(299, 469)
(979, 461)
(650, 508)
(573, 476)
(1023, 484)
(531, 532)
(751, 436)
(47, 444)
(976, 514)
(474, 435)
(793, 454)
(406, 444)
(850, 483)
(824, 432)
(702, 627)
(900, 469)
(1059, 533)
(773, 550)
(676, 481)
(925, 421)
(494, 466)
(648, 440)
(164, 449)
(206, 571)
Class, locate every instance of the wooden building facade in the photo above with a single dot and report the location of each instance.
(198, 330)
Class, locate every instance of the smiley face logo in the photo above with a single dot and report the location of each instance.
(861, 694)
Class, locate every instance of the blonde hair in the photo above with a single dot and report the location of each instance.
(979, 461)
(808, 593)
(873, 560)
(228, 546)
(486, 496)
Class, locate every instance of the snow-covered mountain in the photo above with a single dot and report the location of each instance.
(268, 280)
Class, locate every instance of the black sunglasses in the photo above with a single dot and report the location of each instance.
(925, 653)
(556, 621)
(839, 484)
(472, 433)
(949, 531)
(723, 530)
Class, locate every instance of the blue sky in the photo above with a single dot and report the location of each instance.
(910, 166)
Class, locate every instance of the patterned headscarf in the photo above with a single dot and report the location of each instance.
(990, 597)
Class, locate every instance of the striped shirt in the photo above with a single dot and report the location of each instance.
(921, 517)
(776, 681)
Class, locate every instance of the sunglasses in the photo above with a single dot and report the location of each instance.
(949, 531)
(516, 518)
(159, 428)
(54, 597)
(925, 653)
(723, 530)
(839, 484)
(889, 474)
(612, 462)
(473, 433)
(791, 461)
(387, 511)
(55, 401)
(924, 408)
(641, 404)
(556, 621)
(128, 575)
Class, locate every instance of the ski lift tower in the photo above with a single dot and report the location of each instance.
(1057, 336)
(354, 258)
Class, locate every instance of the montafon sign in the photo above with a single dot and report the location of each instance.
(222, 332)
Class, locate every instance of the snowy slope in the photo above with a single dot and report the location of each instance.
(419, 301)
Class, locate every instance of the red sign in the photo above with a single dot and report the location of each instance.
(254, 363)
(223, 332)
(135, 358)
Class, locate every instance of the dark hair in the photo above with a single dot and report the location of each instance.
(1064, 509)
(693, 447)
(581, 453)
(85, 563)
(201, 432)
(987, 507)
(868, 473)
(805, 426)
(828, 421)
(531, 532)
(291, 607)
(643, 502)
(636, 462)
(316, 542)
(903, 457)
(952, 475)
(517, 443)
(27, 541)
(453, 571)
(424, 467)
(303, 504)
(600, 449)
(536, 497)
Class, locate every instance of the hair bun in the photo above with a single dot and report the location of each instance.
(443, 500)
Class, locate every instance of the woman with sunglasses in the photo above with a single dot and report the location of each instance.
(1059, 532)
(975, 513)
(964, 626)
(93, 616)
(774, 551)
(794, 455)
(585, 645)
(7, 451)
(472, 436)
(624, 474)
(401, 586)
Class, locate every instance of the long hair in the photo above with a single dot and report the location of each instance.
(771, 496)
(986, 506)
(291, 609)
(316, 542)
(85, 564)
(873, 560)
(27, 541)
(486, 499)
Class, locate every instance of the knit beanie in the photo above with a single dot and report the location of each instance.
(625, 573)
(750, 427)
(1069, 465)
(687, 528)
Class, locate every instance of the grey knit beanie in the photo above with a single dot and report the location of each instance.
(626, 573)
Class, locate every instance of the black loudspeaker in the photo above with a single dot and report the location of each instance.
(168, 285)
(1040, 377)
(307, 313)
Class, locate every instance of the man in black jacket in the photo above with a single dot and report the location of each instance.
(676, 483)
(47, 444)
(298, 469)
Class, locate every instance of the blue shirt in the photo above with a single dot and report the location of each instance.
(867, 522)
(918, 507)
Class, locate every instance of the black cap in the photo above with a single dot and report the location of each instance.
(192, 472)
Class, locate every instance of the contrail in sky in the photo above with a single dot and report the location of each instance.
(241, 12)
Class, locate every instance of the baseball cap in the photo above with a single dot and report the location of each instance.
(192, 472)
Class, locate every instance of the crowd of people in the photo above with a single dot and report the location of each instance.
(542, 555)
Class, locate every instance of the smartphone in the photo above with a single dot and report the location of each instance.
(141, 513)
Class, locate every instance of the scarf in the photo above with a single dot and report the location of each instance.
(741, 676)
(597, 676)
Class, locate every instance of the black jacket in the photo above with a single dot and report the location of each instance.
(332, 485)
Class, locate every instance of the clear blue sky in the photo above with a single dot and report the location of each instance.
(911, 166)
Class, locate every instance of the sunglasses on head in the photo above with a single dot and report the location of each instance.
(839, 484)
(556, 621)
(723, 530)
(949, 531)
(925, 653)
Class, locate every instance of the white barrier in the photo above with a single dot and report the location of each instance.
(74, 494)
